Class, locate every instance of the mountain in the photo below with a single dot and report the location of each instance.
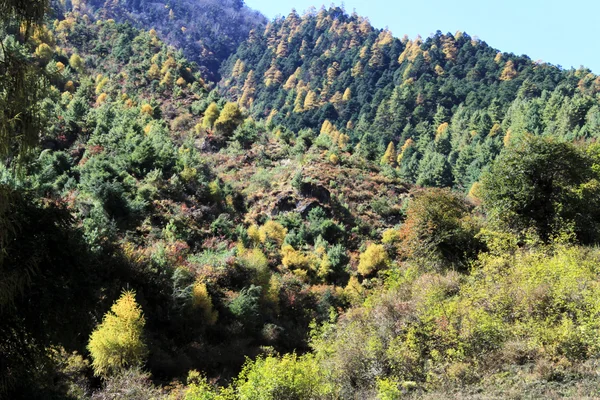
(207, 31)
(451, 97)
(308, 208)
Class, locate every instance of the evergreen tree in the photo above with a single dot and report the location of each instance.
(117, 342)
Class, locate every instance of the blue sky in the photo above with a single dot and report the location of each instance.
(558, 32)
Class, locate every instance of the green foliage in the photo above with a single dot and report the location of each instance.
(117, 342)
(286, 377)
(544, 185)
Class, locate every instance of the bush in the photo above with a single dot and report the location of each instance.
(287, 378)
(439, 231)
(375, 257)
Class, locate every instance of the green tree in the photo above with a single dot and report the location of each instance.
(117, 342)
(543, 184)
(288, 377)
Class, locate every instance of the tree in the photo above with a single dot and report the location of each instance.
(390, 157)
(439, 231)
(509, 72)
(229, 119)
(210, 116)
(117, 342)
(76, 63)
(542, 184)
(44, 52)
(310, 101)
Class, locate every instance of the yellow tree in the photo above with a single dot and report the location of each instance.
(117, 342)
(347, 95)
(154, 72)
(249, 90)
(509, 72)
(229, 119)
(44, 52)
(76, 63)
(374, 258)
(389, 158)
(210, 116)
(310, 101)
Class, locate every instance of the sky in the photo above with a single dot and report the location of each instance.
(558, 32)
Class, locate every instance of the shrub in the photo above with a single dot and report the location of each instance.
(288, 377)
(375, 257)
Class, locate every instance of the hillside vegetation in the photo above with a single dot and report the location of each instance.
(304, 209)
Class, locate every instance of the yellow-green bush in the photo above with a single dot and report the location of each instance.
(286, 377)
(375, 257)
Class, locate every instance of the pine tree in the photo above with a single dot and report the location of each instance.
(347, 95)
(389, 158)
(117, 342)
(310, 101)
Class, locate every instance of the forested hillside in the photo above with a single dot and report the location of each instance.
(207, 31)
(448, 103)
(342, 214)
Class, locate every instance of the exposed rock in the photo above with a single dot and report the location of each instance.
(317, 191)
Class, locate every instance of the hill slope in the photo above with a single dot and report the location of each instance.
(448, 101)
(275, 217)
(207, 31)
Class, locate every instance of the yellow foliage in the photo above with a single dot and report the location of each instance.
(389, 158)
(272, 294)
(327, 127)
(101, 99)
(210, 116)
(347, 95)
(76, 63)
(334, 159)
(374, 258)
(475, 191)
(441, 130)
(507, 138)
(390, 236)
(188, 174)
(60, 66)
(100, 86)
(147, 109)
(154, 72)
(272, 230)
(254, 234)
(310, 101)
(293, 259)
(201, 301)
(495, 130)
(117, 342)
(44, 52)
(181, 82)
(354, 290)
(509, 72)
(69, 87)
